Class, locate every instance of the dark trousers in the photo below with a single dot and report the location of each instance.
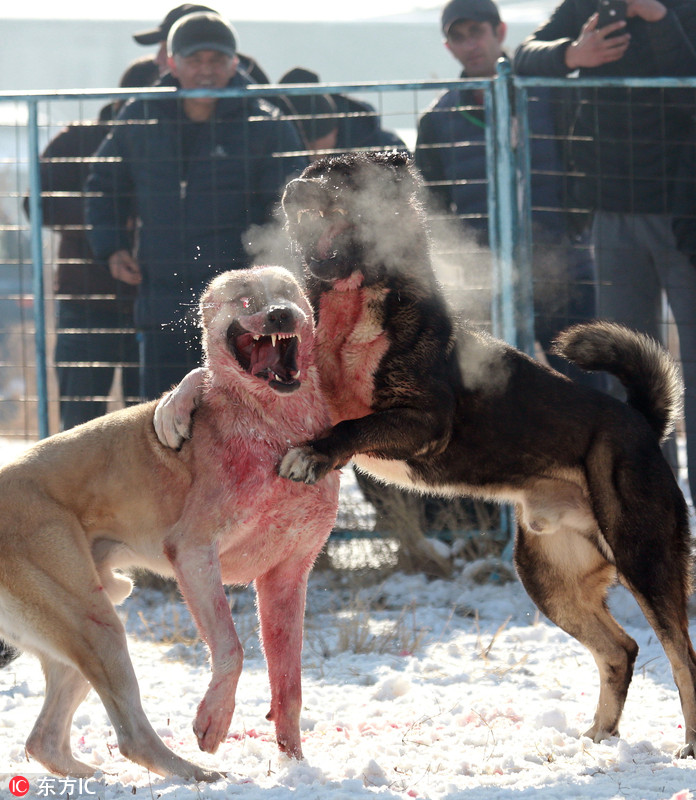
(565, 293)
(166, 356)
(93, 339)
(639, 263)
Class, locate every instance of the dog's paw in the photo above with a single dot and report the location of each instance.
(291, 746)
(211, 725)
(304, 465)
(688, 751)
(170, 429)
(172, 420)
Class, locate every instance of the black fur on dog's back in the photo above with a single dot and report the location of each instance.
(651, 378)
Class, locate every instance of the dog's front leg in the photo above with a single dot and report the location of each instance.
(197, 570)
(175, 409)
(281, 603)
(396, 434)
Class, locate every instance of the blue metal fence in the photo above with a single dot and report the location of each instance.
(508, 169)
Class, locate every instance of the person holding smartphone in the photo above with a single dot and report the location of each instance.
(626, 145)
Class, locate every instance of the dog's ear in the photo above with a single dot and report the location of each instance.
(389, 176)
(403, 169)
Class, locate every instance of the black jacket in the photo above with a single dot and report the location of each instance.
(451, 155)
(626, 142)
(64, 167)
(195, 188)
(360, 126)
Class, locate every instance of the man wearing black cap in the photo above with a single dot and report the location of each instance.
(563, 293)
(197, 172)
(159, 35)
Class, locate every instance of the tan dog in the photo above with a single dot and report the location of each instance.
(108, 495)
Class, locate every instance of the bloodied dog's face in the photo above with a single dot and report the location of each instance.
(355, 210)
(258, 321)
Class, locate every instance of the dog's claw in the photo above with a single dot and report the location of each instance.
(208, 776)
(304, 465)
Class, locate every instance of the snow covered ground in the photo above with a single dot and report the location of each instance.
(452, 690)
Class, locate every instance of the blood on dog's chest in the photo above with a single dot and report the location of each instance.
(350, 344)
(258, 517)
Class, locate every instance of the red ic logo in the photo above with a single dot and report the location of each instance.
(19, 786)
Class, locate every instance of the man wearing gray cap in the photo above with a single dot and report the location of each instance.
(197, 172)
(158, 36)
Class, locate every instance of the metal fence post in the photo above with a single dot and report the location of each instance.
(36, 216)
(524, 285)
(502, 220)
(503, 213)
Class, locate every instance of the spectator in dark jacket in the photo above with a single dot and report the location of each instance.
(357, 124)
(158, 36)
(627, 142)
(94, 313)
(316, 119)
(196, 173)
(451, 154)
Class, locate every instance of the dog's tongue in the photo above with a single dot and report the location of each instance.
(266, 357)
(267, 360)
(325, 241)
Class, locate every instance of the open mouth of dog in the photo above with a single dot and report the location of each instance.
(269, 357)
(319, 230)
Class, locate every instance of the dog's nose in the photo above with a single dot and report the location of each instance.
(280, 319)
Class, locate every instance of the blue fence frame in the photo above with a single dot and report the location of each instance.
(508, 167)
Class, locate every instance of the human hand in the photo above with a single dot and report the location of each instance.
(125, 268)
(596, 46)
(649, 10)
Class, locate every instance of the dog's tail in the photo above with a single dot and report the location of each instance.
(651, 378)
(8, 653)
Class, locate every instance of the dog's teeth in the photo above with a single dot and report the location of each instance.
(299, 339)
(274, 337)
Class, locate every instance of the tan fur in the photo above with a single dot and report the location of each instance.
(108, 495)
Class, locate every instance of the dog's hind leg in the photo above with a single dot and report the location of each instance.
(672, 628)
(656, 572)
(100, 650)
(63, 613)
(567, 577)
(49, 741)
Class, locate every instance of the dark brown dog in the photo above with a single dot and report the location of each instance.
(412, 405)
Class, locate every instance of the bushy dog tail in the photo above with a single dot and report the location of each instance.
(8, 653)
(651, 378)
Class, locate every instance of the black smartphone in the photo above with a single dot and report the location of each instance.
(610, 11)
